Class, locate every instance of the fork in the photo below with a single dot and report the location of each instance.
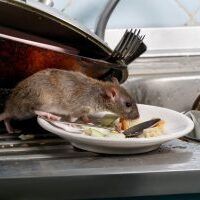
(72, 124)
(129, 47)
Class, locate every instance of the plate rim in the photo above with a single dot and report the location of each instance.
(158, 139)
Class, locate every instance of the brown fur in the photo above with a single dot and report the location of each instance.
(66, 93)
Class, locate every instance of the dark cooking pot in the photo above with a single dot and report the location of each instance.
(23, 27)
(34, 36)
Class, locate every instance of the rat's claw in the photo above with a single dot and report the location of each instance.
(49, 116)
(72, 119)
(9, 128)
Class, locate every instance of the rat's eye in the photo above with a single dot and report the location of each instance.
(128, 104)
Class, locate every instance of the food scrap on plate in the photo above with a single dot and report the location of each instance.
(121, 128)
(114, 127)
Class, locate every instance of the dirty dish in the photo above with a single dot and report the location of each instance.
(176, 125)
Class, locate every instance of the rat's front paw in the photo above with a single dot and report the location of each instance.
(49, 116)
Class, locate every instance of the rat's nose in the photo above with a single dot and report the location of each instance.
(135, 113)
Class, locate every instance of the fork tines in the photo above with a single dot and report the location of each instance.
(129, 47)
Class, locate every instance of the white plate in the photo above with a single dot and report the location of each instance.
(177, 125)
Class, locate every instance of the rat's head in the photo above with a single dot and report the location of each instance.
(119, 101)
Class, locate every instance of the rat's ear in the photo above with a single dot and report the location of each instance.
(115, 80)
(111, 93)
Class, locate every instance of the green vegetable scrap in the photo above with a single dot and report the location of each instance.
(108, 120)
(100, 132)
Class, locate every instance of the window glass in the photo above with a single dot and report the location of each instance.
(134, 13)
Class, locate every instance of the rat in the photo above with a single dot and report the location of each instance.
(53, 92)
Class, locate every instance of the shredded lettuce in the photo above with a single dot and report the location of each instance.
(100, 132)
(108, 120)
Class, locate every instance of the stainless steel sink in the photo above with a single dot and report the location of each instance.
(175, 91)
(172, 82)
